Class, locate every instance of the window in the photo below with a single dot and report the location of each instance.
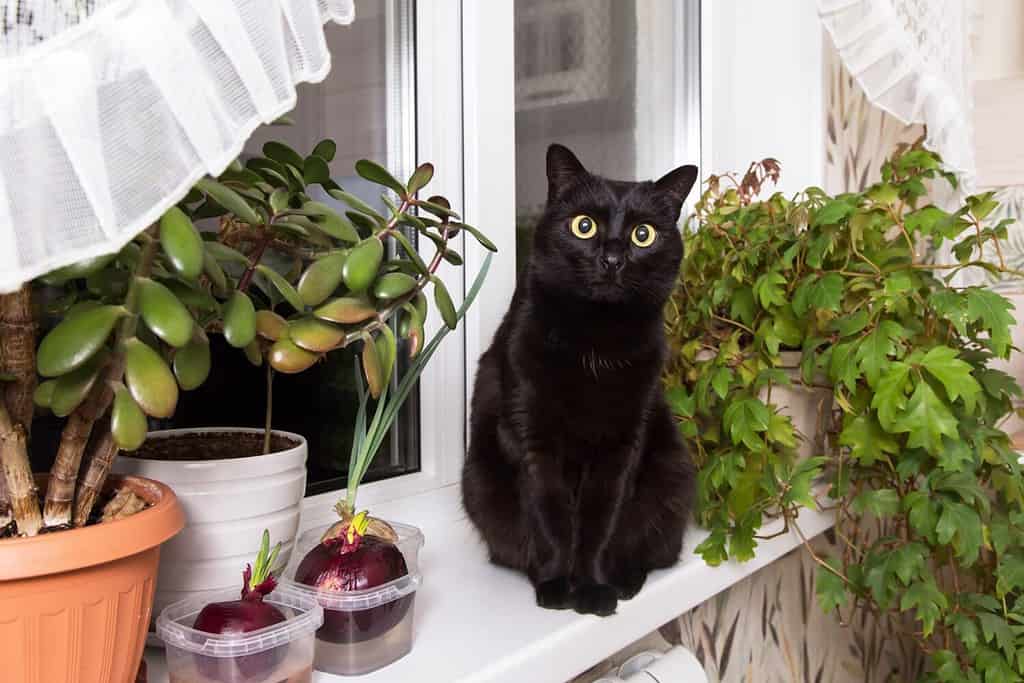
(615, 81)
(367, 105)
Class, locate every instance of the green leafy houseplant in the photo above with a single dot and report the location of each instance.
(284, 278)
(927, 493)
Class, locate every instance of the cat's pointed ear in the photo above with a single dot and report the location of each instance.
(563, 167)
(678, 183)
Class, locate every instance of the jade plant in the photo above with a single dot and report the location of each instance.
(283, 277)
(926, 491)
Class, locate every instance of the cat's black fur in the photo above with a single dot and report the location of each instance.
(575, 473)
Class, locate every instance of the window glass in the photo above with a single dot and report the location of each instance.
(363, 104)
(616, 81)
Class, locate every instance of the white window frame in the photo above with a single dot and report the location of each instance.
(464, 124)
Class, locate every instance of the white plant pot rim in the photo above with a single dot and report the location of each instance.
(210, 471)
(185, 431)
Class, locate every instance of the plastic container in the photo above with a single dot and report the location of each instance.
(282, 653)
(368, 629)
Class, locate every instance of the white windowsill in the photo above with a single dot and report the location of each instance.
(478, 623)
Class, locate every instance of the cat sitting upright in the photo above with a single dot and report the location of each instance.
(576, 474)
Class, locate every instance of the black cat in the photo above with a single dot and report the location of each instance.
(575, 472)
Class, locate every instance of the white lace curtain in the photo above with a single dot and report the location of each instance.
(911, 57)
(111, 109)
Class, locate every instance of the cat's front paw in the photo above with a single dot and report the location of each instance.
(596, 598)
(630, 582)
(554, 593)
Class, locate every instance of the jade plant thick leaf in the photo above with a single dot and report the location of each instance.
(927, 492)
(283, 276)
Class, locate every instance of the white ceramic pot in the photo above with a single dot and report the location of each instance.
(227, 503)
(808, 406)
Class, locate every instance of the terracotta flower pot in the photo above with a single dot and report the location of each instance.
(75, 605)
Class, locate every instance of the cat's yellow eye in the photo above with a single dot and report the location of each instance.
(643, 235)
(584, 227)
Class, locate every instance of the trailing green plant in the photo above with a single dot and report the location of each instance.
(285, 278)
(927, 493)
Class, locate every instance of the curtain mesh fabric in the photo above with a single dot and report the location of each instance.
(111, 109)
(911, 57)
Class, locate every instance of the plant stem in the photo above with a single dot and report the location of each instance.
(17, 358)
(60, 491)
(5, 502)
(270, 408)
(254, 260)
(18, 473)
(19, 354)
(100, 459)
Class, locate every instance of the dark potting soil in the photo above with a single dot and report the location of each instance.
(210, 445)
(11, 529)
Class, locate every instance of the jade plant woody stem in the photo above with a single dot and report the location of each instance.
(60, 494)
(104, 449)
(17, 352)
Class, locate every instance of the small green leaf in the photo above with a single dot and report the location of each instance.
(181, 243)
(420, 177)
(127, 421)
(960, 525)
(357, 204)
(480, 237)
(745, 419)
(72, 388)
(360, 269)
(832, 212)
(282, 153)
(926, 419)
(867, 440)
(927, 600)
(149, 379)
(721, 380)
(315, 170)
(43, 395)
(321, 278)
(828, 292)
(164, 313)
(290, 359)
(955, 375)
(346, 310)
(769, 289)
(76, 339)
(874, 351)
(444, 304)
(331, 222)
(223, 252)
(890, 397)
(286, 289)
(387, 349)
(192, 363)
(279, 199)
(372, 369)
(830, 587)
(993, 312)
(230, 200)
(325, 149)
(391, 286)
(376, 173)
(879, 502)
(239, 320)
(313, 334)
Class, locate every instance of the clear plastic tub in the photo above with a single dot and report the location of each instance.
(368, 629)
(282, 653)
